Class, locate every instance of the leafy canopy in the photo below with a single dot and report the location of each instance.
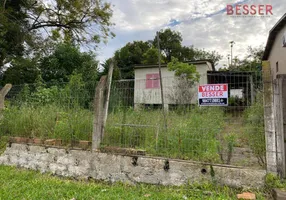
(146, 52)
(170, 43)
(29, 24)
(130, 55)
(184, 70)
(67, 60)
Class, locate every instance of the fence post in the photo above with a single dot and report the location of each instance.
(108, 88)
(3, 93)
(270, 135)
(98, 113)
(279, 123)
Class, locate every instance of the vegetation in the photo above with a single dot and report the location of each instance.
(54, 83)
(48, 121)
(77, 22)
(64, 111)
(58, 111)
(192, 135)
(184, 70)
(141, 52)
(64, 61)
(22, 184)
(254, 129)
(251, 62)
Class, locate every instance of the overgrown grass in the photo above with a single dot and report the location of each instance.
(192, 135)
(254, 129)
(47, 121)
(22, 184)
(64, 112)
(197, 134)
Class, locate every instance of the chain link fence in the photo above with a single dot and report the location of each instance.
(232, 134)
(62, 111)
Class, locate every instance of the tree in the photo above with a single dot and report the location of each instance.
(74, 21)
(128, 56)
(21, 71)
(67, 60)
(140, 52)
(187, 53)
(251, 62)
(77, 20)
(105, 68)
(170, 43)
(12, 30)
(184, 70)
(213, 56)
(151, 56)
(187, 77)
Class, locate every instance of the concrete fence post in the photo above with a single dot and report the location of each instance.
(3, 93)
(98, 113)
(270, 134)
(101, 104)
(108, 90)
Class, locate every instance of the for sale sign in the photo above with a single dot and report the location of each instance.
(213, 95)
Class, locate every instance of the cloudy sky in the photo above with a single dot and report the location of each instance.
(203, 24)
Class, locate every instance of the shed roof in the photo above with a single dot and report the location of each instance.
(272, 36)
(195, 62)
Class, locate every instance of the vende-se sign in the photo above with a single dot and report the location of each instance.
(213, 95)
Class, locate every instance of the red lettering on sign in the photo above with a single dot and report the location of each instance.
(214, 87)
(253, 8)
(245, 10)
(269, 9)
(260, 9)
(229, 10)
(212, 94)
(249, 9)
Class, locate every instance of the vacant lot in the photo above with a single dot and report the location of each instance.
(230, 135)
(22, 184)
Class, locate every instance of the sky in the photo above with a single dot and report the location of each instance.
(203, 24)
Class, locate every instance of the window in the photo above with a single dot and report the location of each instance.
(277, 67)
(152, 81)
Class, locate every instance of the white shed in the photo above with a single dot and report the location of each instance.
(176, 91)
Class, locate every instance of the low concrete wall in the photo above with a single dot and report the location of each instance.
(112, 168)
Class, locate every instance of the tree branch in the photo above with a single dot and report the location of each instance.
(49, 24)
(4, 4)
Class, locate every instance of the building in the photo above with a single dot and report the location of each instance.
(177, 91)
(275, 50)
(274, 73)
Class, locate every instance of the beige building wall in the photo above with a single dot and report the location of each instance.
(278, 55)
(173, 89)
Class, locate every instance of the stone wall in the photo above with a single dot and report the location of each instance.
(130, 169)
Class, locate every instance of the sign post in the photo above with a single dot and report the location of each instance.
(213, 95)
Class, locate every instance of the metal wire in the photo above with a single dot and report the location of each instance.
(228, 135)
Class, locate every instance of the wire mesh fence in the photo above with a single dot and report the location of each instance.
(61, 111)
(232, 134)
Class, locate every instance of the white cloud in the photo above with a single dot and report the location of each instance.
(140, 19)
